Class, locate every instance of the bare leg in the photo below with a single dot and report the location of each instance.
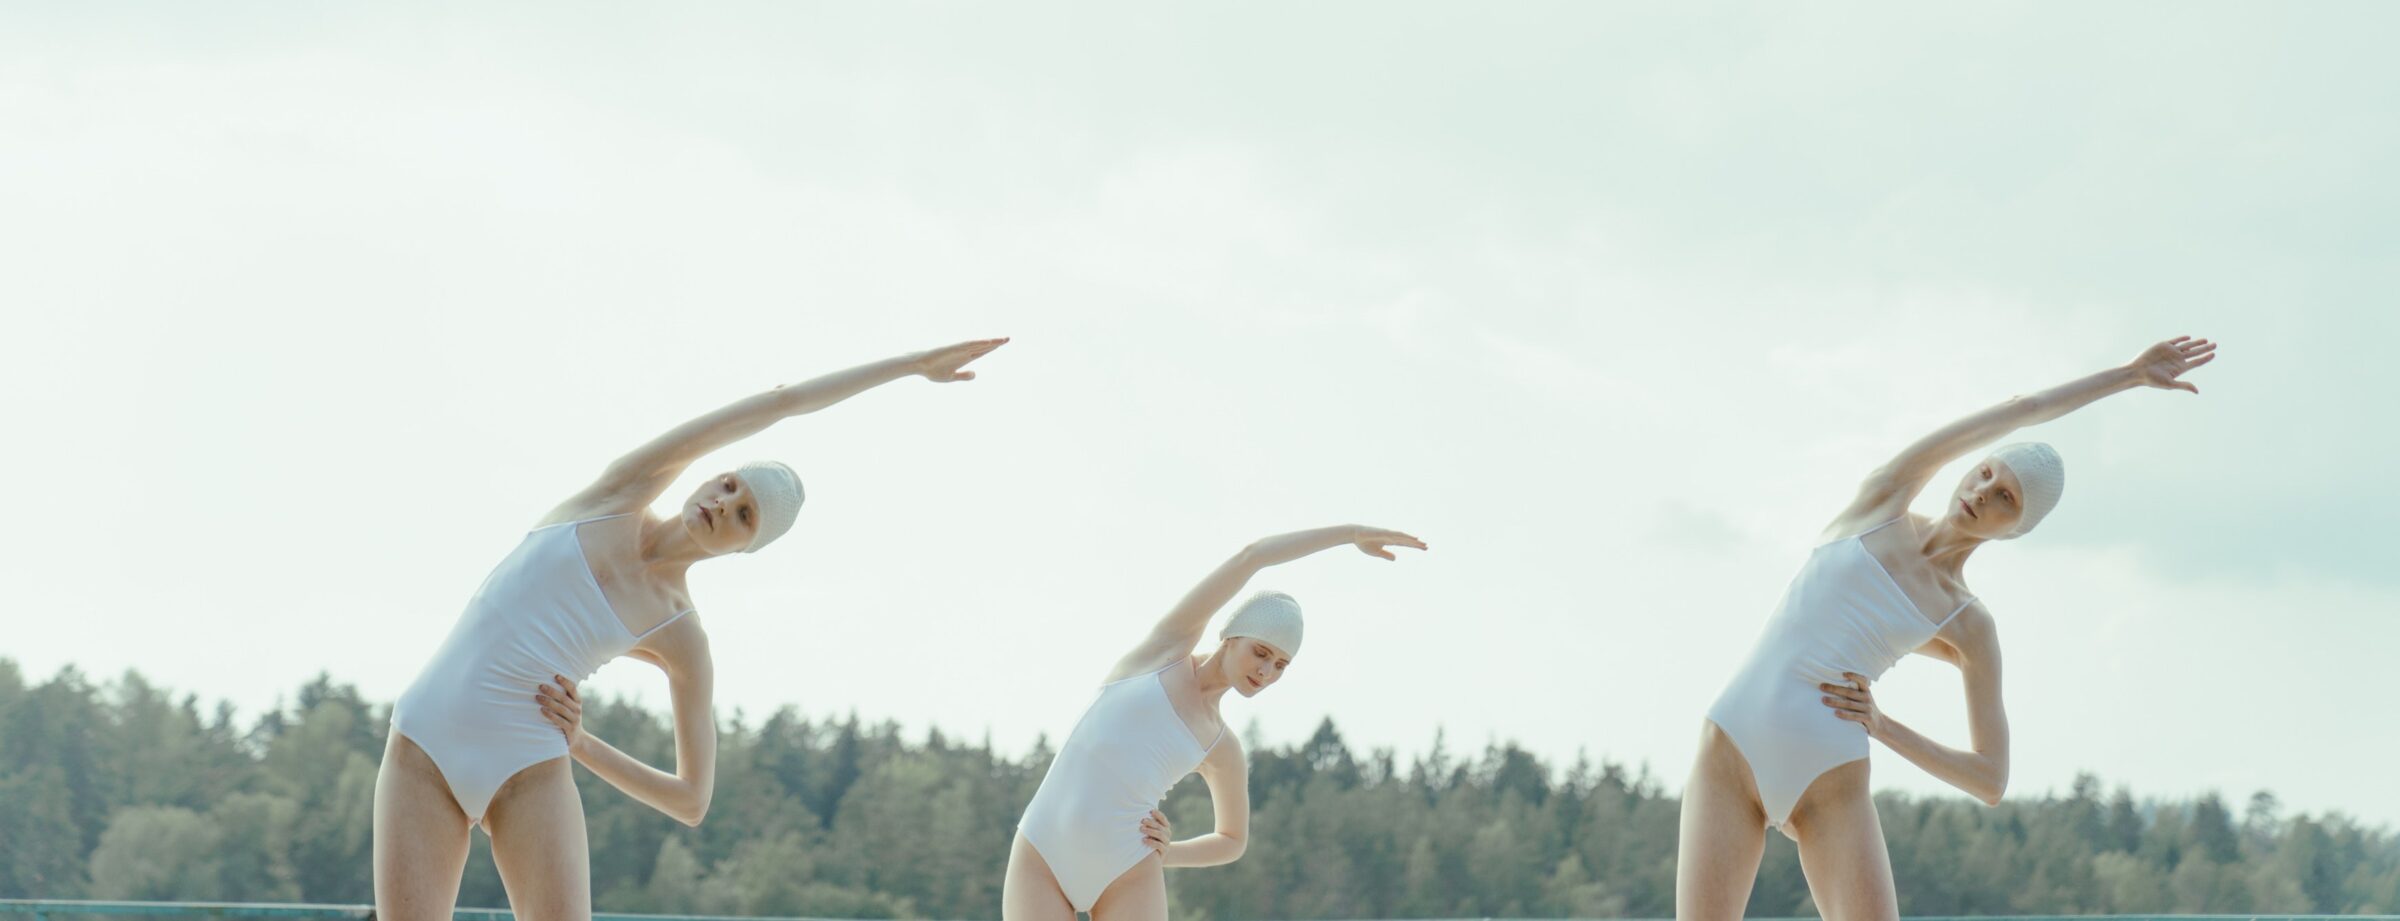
(1723, 833)
(1842, 852)
(421, 837)
(1138, 894)
(1029, 892)
(540, 846)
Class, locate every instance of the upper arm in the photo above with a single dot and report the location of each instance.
(1889, 489)
(681, 649)
(1175, 634)
(1979, 670)
(642, 475)
(1227, 774)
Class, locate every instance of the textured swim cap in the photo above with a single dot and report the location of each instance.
(777, 490)
(2042, 475)
(1270, 616)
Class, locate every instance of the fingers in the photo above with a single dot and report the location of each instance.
(1406, 540)
(1381, 537)
(569, 685)
(1842, 698)
(978, 348)
(1844, 691)
(2204, 359)
(1155, 831)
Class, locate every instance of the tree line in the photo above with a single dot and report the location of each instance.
(125, 791)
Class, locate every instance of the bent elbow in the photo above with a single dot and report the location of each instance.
(693, 813)
(1993, 791)
(1240, 845)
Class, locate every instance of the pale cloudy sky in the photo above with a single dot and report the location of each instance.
(310, 310)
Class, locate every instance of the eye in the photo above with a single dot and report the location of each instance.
(745, 513)
(2008, 497)
(728, 484)
(1987, 473)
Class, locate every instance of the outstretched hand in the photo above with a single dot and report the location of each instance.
(1378, 541)
(943, 365)
(2160, 365)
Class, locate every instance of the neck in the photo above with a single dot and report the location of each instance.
(1213, 683)
(667, 547)
(1947, 547)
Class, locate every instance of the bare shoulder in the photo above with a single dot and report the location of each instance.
(1974, 633)
(1859, 521)
(1148, 660)
(589, 505)
(679, 647)
(1227, 755)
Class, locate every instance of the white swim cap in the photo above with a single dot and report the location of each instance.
(2042, 475)
(1270, 616)
(777, 490)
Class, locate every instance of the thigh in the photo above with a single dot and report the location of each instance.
(1138, 894)
(1723, 832)
(1029, 892)
(421, 837)
(1842, 852)
(539, 844)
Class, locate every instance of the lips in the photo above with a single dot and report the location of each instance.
(707, 519)
(1962, 503)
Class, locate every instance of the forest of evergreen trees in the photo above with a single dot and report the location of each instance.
(123, 790)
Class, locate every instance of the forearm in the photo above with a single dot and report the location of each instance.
(1284, 548)
(825, 390)
(680, 798)
(1209, 850)
(1189, 619)
(2076, 394)
(1981, 775)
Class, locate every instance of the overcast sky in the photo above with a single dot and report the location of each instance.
(312, 310)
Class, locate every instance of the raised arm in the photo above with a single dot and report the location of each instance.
(1183, 627)
(638, 478)
(1888, 491)
(682, 651)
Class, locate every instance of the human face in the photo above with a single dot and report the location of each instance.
(1989, 501)
(1252, 664)
(721, 515)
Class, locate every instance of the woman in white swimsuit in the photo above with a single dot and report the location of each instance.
(1092, 839)
(478, 739)
(1785, 745)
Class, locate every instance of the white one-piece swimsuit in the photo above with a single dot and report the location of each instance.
(1123, 756)
(540, 613)
(1842, 613)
